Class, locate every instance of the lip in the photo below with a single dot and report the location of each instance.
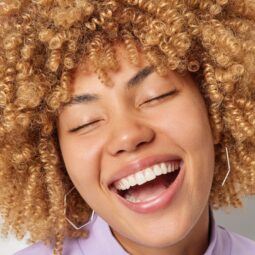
(161, 201)
(138, 165)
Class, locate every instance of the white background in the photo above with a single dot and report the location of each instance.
(238, 220)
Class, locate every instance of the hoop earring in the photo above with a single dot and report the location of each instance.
(69, 221)
(229, 167)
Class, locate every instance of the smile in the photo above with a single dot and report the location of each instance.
(150, 189)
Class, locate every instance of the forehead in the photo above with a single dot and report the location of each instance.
(88, 87)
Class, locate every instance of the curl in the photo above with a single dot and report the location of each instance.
(43, 42)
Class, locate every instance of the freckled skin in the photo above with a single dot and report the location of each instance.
(130, 129)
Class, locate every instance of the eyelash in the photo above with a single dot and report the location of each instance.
(160, 97)
(83, 126)
(147, 101)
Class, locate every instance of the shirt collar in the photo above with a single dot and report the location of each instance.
(212, 233)
(220, 242)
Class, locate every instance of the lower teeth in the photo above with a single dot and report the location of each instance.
(137, 200)
(132, 199)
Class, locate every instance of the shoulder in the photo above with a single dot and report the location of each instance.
(71, 247)
(37, 248)
(239, 244)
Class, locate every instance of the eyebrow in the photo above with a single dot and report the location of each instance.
(134, 82)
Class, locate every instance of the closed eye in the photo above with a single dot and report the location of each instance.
(158, 98)
(161, 96)
(83, 126)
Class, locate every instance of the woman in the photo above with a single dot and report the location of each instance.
(123, 123)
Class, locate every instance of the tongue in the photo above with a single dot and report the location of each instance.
(150, 189)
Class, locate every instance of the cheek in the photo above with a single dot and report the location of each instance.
(187, 126)
(83, 166)
(186, 123)
(81, 163)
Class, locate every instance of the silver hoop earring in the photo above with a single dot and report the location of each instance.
(69, 221)
(229, 168)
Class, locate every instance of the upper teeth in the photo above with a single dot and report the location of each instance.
(146, 175)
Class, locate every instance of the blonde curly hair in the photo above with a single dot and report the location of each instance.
(42, 43)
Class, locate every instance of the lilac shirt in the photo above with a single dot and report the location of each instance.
(101, 241)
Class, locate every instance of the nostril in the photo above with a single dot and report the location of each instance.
(141, 143)
(120, 151)
(131, 148)
(130, 140)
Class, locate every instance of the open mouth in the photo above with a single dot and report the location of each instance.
(158, 179)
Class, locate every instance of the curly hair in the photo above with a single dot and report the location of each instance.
(42, 43)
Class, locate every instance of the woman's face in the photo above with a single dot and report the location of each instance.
(130, 132)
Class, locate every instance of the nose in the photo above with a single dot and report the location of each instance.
(129, 134)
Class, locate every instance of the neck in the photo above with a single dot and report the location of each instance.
(196, 242)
